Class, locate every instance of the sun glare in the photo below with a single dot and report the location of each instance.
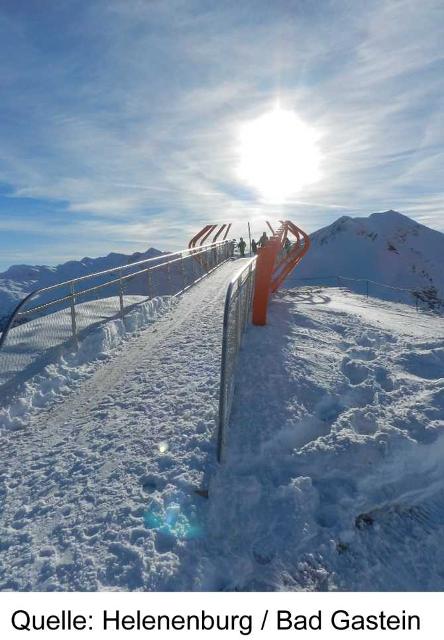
(279, 155)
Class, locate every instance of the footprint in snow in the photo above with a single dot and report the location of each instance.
(355, 371)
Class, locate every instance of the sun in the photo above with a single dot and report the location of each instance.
(278, 155)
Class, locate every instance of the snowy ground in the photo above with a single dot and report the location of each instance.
(97, 492)
(334, 463)
(30, 343)
(66, 367)
(335, 459)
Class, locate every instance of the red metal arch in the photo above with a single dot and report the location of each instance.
(276, 260)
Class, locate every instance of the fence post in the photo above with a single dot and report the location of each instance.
(169, 277)
(150, 284)
(73, 314)
(238, 316)
(194, 268)
(120, 293)
(183, 272)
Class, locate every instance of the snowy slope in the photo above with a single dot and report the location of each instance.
(334, 473)
(19, 280)
(385, 247)
(97, 488)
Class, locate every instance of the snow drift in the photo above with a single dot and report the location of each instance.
(72, 366)
(334, 473)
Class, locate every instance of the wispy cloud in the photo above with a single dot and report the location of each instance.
(123, 116)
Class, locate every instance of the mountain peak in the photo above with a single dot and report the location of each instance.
(387, 247)
(392, 215)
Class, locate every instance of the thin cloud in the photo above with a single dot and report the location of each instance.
(131, 115)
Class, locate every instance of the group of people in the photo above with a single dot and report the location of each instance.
(260, 243)
(254, 245)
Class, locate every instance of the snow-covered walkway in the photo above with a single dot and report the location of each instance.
(98, 492)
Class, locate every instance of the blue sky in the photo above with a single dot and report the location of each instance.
(119, 119)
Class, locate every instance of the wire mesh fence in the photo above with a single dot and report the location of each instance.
(424, 299)
(50, 318)
(237, 311)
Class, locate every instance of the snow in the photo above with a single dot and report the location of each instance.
(333, 476)
(19, 280)
(333, 473)
(98, 486)
(71, 365)
(30, 343)
(333, 468)
(387, 248)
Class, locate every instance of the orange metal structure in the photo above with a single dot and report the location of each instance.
(275, 261)
(204, 234)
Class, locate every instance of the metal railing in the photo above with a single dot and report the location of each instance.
(51, 317)
(422, 299)
(237, 310)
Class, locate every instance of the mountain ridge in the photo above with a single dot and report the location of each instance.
(387, 247)
(21, 279)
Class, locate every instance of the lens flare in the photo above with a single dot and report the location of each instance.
(173, 520)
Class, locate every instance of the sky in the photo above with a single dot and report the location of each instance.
(120, 120)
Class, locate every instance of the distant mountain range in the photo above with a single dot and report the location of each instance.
(19, 280)
(386, 247)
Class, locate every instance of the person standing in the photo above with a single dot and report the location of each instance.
(254, 246)
(242, 244)
(287, 245)
(263, 240)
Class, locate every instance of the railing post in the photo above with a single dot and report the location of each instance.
(150, 284)
(120, 293)
(73, 314)
(182, 266)
(169, 277)
(249, 291)
(238, 316)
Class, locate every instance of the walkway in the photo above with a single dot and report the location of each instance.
(99, 492)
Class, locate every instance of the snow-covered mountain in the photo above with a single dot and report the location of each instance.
(21, 279)
(386, 247)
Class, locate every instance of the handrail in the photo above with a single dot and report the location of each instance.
(337, 277)
(235, 280)
(17, 311)
(379, 284)
(127, 266)
(129, 276)
(415, 293)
